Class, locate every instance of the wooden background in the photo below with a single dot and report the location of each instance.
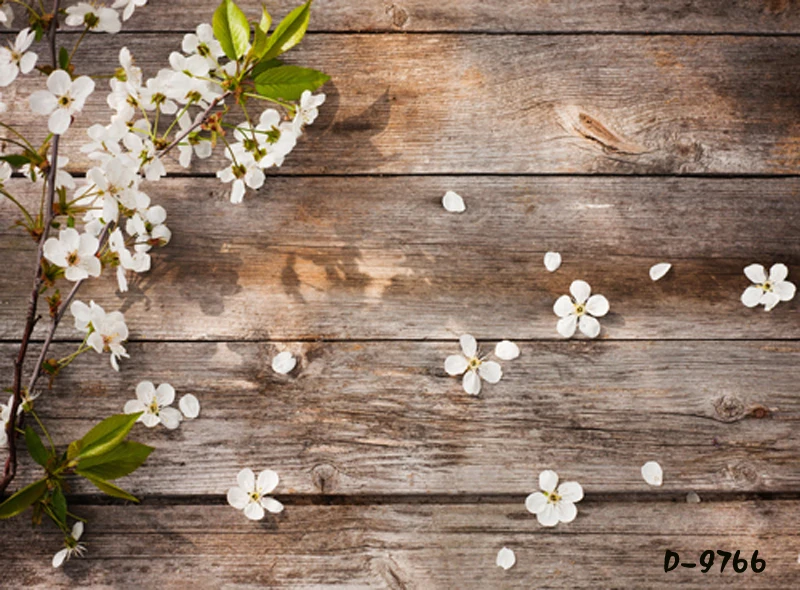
(619, 132)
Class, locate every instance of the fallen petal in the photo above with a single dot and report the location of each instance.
(283, 363)
(552, 260)
(506, 350)
(692, 498)
(190, 406)
(652, 473)
(453, 202)
(506, 558)
(657, 271)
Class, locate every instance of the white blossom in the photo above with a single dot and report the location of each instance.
(130, 6)
(767, 290)
(16, 58)
(154, 403)
(147, 155)
(137, 262)
(472, 366)
(453, 202)
(581, 311)
(72, 546)
(94, 18)
(652, 473)
(190, 406)
(552, 261)
(284, 363)
(203, 43)
(193, 144)
(243, 172)
(250, 494)
(63, 98)
(307, 110)
(63, 178)
(657, 271)
(74, 252)
(506, 558)
(555, 503)
(107, 331)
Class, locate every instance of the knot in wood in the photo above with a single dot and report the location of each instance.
(324, 477)
(729, 408)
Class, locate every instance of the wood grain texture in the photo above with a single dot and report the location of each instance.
(384, 417)
(310, 258)
(521, 104)
(411, 546)
(766, 16)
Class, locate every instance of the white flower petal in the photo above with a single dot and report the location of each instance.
(469, 346)
(752, 295)
(165, 394)
(471, 383)
(589, 326)
(563, 306)
(657, 271)
(246, 479)
(566, 511)
(566, 326)
(238, 498)
(784, 290)
(536, 502)
(778, 273)
(571, 491)
(552, 261)
(254, 511)
(548, 515)
(190, 406)
(692, 498)
(170, 417)
(756, 273)
(267, 481)
(490, 371)
(59, 121)
(652, 473)
(271, 504)
(453, 202)
(58, 558)
(580, 291)
(283, 363)
(455, 364)
(134, 406)
(769, 300)
(597, 305)
(506, 350)
(506, 558)
(146, 392)
(548, 480)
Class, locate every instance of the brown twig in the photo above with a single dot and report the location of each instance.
(10, 469)
(198, 120)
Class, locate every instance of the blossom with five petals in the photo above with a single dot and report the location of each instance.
(554, 504)
(250, 495)
(63, 98)
(581, 311)
(154, 403)
(74, 252)
(767, 290)
(472, 366)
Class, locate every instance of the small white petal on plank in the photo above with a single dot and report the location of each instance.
(652, 473)
(657, 271)
(190, 406)
(453, 202)
(506, 558)
(283, 363)
(552, 260)
(506, 350)
(692, 498)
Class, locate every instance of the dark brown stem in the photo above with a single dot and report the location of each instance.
(10, 469)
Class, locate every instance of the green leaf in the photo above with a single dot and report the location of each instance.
(63, 59)
(22, 499)
(262, 33)
(105, 436)
(289, 32)
(36, 447)
(124, 459)
(60, 505)
(263, 66)
(231, 29)
(288, 82)
(111, 489)
(16, 160)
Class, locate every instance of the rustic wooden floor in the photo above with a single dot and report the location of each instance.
(621, 133)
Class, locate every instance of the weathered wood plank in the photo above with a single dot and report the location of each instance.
(522, 104)
(494, 15)
(619, 545)
(311, 258)
(383, 417)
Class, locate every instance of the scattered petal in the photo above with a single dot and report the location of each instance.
(657, 271)
(453, 202)
(506, 558)
(552, 261)
(652, 473)
(284, 363)
(506, 350)
(190, 406)
(692, 498)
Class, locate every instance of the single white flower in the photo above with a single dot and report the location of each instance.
(74, 252)
(16, 58)
(554, 504)
(137, 262)
(506, 558)
(692, 498)
(107, 331)
(130, 6)
(472, 366)
(63, 98)
(652, 473)
(580, 312)
(241, 173)
(506, 350)
(94, 18)
(147, 155)
(250, 494)
(190, 406)
(154, 403)
(72, 546)
(307, 110)
(657, 271)
(767, 290)
(453, 202)
(63, 178)
(203, 43)
(552, 261)
(194, 144)
(284, 363)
